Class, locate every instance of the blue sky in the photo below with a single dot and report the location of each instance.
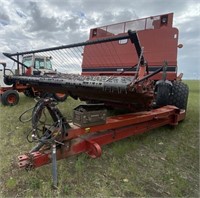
(26, 25)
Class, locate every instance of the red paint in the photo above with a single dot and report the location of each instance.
(28, 71)
(159, 44)
(90, 140)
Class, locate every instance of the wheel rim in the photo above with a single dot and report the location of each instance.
(11, 99)
(60, 95)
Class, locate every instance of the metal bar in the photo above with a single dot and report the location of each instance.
(139, 63)
(54, 166)
(150, 75)
(18, 64)
(72, 45)
(134, 39)
(164, 74)
(145, 26)
(9, 56)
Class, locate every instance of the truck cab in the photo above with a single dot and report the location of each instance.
(37, 65)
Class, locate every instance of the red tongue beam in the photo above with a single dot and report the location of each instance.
(90, 140)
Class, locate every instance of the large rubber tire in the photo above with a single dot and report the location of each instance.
(163, 91)
(29, 93)
(10, 98)
(60, 97)
(179, 95)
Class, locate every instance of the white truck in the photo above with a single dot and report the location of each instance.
(35, 65)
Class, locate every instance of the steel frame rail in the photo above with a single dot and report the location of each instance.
(90, 140)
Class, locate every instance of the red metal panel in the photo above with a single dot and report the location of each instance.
(159, 45)
(159, 42)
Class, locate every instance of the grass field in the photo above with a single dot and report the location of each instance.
(161, 163)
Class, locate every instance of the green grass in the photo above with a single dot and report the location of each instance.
(160, 163)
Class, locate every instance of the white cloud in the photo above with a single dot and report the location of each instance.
(26, 25)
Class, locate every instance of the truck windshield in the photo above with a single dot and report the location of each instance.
(48, 64)
(27, 61)
(39, 63)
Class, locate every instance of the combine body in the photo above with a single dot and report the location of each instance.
(121, 68)
(156, 35)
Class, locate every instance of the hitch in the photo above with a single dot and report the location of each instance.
(67, 139)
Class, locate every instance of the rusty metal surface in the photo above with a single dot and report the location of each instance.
(89, 115)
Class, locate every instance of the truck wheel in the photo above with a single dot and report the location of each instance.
(179, 95)
(61, 97)
(29, 93)
(10, 98)
(163, 91)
